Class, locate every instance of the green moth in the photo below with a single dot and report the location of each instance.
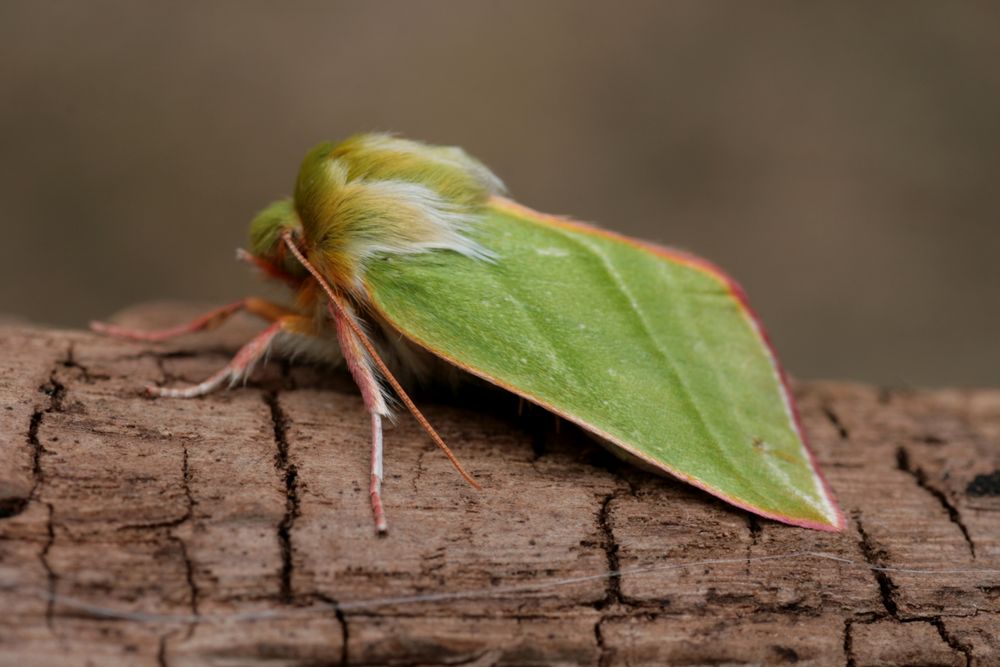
(405, 257)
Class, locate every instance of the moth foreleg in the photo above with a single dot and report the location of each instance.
(363, 371)
(375, 485)
(271, 312)
(242, 364)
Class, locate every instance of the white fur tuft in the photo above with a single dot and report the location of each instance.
(443, 225)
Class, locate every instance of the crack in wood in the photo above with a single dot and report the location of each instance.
(193, 591)
(341, 617)
(904, 464)
(848, 646)
(613, 591)
(70, 361)
(161, 651)
(56, 391)
(190, 580)
(937, 622)
(11, 507)
(834, 419)
(290, 477)
(418, 469)
(605, 654)
(957, 646)
(875, 557)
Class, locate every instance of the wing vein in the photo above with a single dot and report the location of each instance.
(512, 288)
(656, 344)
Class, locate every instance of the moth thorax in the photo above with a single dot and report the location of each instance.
(375, 194)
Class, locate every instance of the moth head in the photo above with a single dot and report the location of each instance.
(265, 236)
(377, 194)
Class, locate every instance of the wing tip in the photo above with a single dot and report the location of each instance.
(837, 525)
(835, 521)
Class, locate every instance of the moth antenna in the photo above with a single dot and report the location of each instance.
(335, 303)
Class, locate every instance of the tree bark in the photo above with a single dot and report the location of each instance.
(235, 529)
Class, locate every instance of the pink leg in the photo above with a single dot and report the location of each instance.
(233, 372)
(206, 322)
(362, 360)
(375, 486)
(361, 369)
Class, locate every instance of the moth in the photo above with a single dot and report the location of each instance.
(407, 256)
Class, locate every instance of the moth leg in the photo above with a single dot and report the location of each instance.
(363, 372)
(210, 320)
(362, 360)
(242, 364)
(375, 486)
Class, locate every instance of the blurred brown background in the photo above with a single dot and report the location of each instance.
(840, 160)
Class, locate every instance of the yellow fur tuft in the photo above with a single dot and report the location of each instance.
(375, 194)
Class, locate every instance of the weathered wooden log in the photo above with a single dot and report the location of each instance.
(235, 529)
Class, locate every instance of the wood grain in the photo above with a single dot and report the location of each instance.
(238, 524)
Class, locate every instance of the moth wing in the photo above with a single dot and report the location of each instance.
(655, 351)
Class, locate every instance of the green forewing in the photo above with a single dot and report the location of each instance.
(655, 354)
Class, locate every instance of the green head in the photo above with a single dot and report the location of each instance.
(265, 236)
(372, 194)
